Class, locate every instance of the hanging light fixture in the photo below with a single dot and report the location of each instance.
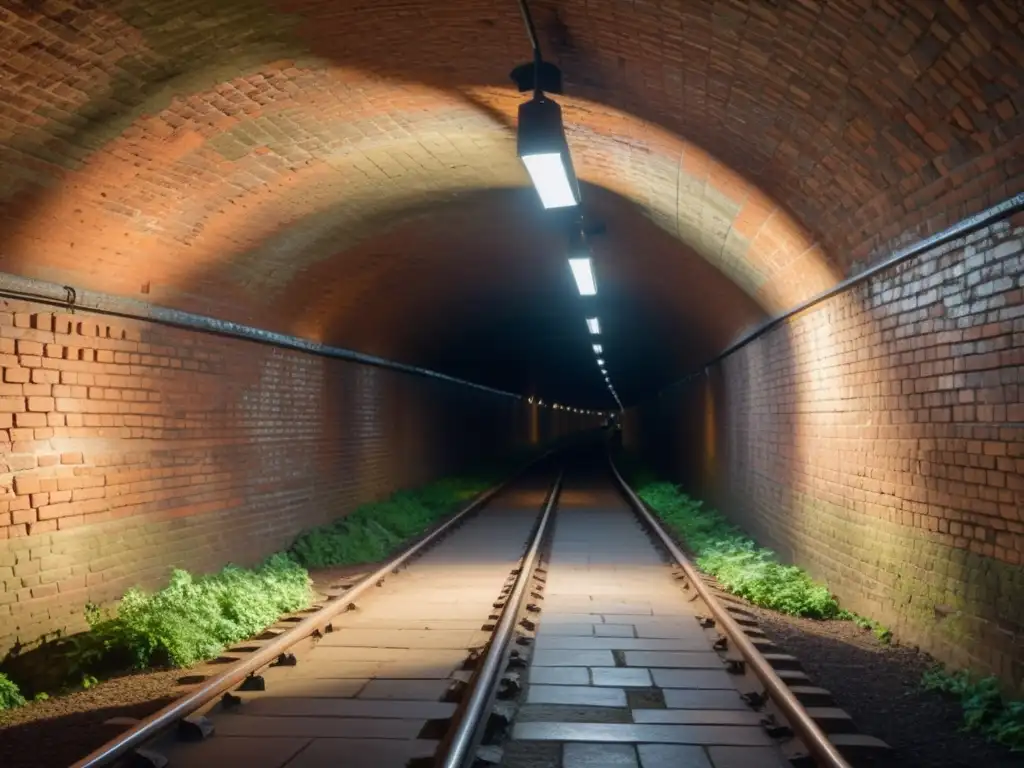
(541, 143)
(545, 153)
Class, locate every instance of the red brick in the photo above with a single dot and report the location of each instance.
(25, 485)
(72, 458)
(30, 419)
(16, 375)
(26, 347)
(12, 404)
(41, 404)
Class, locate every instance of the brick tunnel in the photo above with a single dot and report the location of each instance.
(341, 176)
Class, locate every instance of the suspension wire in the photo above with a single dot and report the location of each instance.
(532, 32)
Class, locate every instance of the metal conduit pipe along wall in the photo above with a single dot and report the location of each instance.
(962, 228)
(70, 299)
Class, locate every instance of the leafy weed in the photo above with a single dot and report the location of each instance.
(10, 694)
(986, 711)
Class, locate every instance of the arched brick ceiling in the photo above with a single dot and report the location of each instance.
(215, 155)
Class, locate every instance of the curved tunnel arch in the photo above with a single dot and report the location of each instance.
(229, 238)
(348, 174)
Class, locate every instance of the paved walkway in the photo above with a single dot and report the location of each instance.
(363, 694)
(622, 674)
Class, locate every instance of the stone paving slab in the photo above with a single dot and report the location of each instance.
(674, 659)
(693, 678)
(697, 716)
(559, 675)
(313, 727)
(379, 639)
(576, 755)
(672, 756)
(676, 698)
(621, 676)
(581, 695)
(312, 688)
(229, 751)
(642, 733)
(411, 690)
(388, 709)
(569, 642)
(550, 658)
(614, 630)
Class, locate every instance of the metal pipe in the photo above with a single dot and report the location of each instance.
(69, 298)
(531, 31)
(147, 728)
(812, 736)
(458, 755)
(962, 228)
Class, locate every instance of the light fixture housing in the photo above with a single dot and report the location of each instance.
(542, 147)
(594, 325)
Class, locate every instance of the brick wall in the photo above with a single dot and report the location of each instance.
(128, 448)
(878, 440)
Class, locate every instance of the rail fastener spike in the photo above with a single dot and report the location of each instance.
(286, 660)
(495, 729)
(706, 621)
(755, 699)
(230, 701)
(533, 608)
(195, 728)
(509, 687)
(721, 643)
(774, 729)
(735, 666)
(516, 662)
(253, 683)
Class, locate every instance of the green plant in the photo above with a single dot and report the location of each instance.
(193, 619)
(41, 696)
(374, 530)
(882, 633)
(740, 566)
(985, 709)
(10, 694)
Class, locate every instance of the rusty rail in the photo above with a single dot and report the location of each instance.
(153, 725)
(459, 744)
(823, 750)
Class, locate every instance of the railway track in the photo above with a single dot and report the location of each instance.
(551, 623)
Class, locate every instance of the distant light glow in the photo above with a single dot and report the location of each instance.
(597, 348)
(600, 361)
(584, 274)
(594, 325)
(547, 171)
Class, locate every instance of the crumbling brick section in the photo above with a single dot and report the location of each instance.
(128, 448)
(878, 439)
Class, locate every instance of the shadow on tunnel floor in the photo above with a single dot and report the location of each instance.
(880, 687)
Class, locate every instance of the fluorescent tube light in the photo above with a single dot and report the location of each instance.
(584, 274)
